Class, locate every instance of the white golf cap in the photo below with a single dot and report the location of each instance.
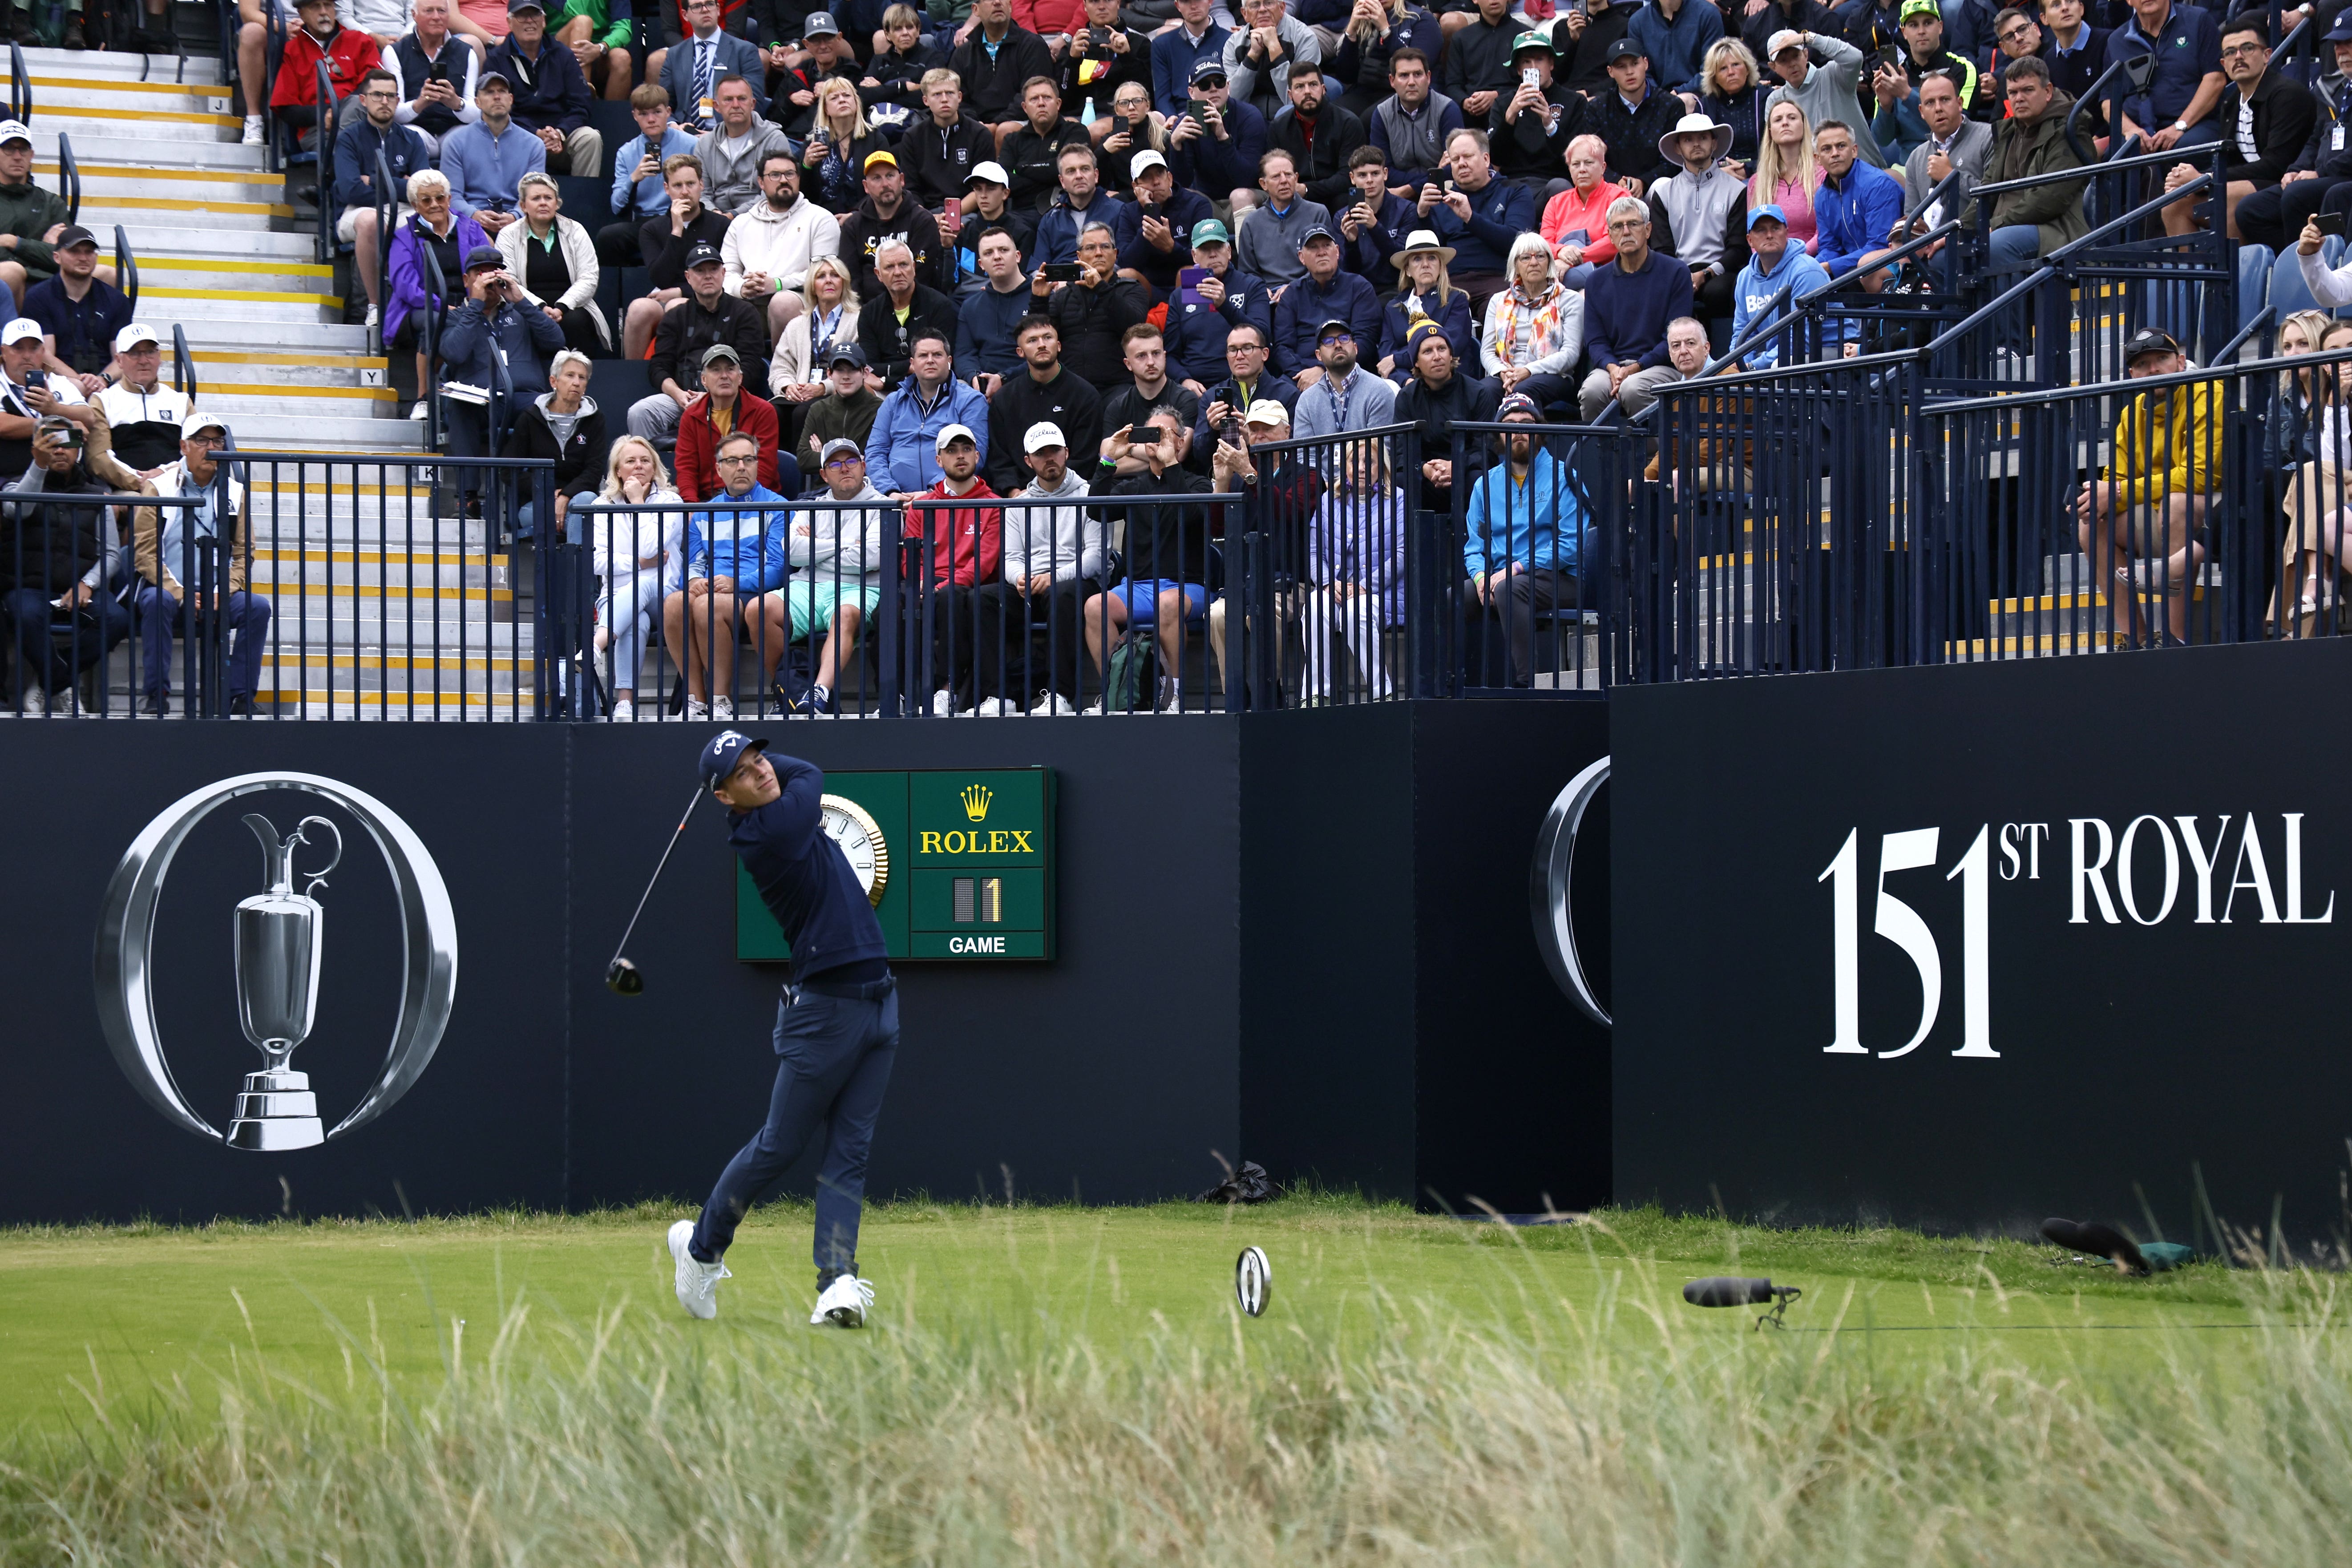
(951, 434)
(196, 422)
(15, 131)
(990, 171)
(1787, 37)
(1267, 411)
(131, 336)
(22, 328)
(1042, 434)
(1146, 159)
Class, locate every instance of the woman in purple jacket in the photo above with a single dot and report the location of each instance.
(435, 230)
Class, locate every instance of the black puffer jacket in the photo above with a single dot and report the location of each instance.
(578, 462)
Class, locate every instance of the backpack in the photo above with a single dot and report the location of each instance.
(1132, 681)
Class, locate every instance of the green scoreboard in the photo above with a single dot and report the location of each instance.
(958, 863)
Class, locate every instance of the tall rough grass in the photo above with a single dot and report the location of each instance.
(1545, 1434)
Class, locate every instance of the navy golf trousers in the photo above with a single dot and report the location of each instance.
(836, 1052)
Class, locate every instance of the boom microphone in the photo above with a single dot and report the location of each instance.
(1725, 1291)
(2096, 1240)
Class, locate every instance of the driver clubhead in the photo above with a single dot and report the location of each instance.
(622, 979)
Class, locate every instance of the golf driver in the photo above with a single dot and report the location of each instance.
(621, 977)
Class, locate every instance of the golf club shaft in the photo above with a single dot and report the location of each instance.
(656, 878)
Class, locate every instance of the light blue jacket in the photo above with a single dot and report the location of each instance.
(1754, 291)
(484, 170)
(1534, 526)
(724, 544)
(902, 455)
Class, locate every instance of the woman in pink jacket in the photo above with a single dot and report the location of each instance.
(1574, 223)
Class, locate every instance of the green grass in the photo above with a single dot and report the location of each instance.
(1059, 1385)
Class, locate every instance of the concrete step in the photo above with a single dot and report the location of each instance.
(87, 66)
(151, 180)
(234, 398)
(245, 333)
(190, 306)
(67, 92)
(307, 563)
(223, 276)
(163, 238)
(287, 579)
(226, 369)
(300, 432)
(190, 209)
(140, 135)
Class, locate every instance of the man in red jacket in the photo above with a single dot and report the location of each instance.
(722, 408)
(967, 548)
(350, 55)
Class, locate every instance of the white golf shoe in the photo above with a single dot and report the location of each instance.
(842, 1304)
(697, 1282)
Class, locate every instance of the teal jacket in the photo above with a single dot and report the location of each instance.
(1537, 525)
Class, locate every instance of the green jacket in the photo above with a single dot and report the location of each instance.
(30, 212)
(602, 28)
(2020, 151)
(833, 415)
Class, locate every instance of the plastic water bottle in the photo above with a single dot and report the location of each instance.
(1086, 113)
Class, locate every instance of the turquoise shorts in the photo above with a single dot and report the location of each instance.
(812, 603)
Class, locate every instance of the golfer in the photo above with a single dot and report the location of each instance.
(836, 1030)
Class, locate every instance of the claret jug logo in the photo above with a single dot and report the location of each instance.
(975, 802)
(280, 949)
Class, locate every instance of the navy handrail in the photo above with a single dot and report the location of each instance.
(20, 86)
(69, 178)
(428, 337)
(183, 364)
(325, 110)
(126, 268)
(273, 51)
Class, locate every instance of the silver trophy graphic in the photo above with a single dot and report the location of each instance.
(277, 953)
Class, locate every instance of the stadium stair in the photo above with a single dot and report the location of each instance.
(376, 599)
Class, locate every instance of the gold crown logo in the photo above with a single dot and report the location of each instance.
(975, 802)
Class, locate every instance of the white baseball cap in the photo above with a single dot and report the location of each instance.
(19, 330)
(1146, 159)
(1267, 411)
(15, 131)
(131, 336)
(990, 171)
(1785, 39)
(1042, 434)
(196, 422)
(951, 433)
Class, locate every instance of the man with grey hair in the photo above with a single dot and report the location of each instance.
(1094, 313)
(898, 309)
(1825, 90)
(1626, 308)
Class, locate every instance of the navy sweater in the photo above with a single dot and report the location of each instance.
(802, 876)
(1625, 313)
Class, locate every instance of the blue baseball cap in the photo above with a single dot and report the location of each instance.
(725, 751)
(1758, 215)
(2342, 32)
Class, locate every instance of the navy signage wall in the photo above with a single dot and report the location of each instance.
(1964, 947)
(1302, 938)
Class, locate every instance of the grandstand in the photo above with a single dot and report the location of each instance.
(1971, 373)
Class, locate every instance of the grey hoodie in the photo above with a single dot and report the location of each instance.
(824, 540)
(1062, 540)
(1830, 93)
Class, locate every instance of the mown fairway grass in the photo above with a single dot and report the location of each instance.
(1073, 1385)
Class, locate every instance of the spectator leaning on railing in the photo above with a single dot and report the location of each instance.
(2271, 116)
(146, 420)
(366, 136)
(551, 96)
(168, 541)
(640, 560)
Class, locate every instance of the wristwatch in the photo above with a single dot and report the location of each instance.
(2181, 125)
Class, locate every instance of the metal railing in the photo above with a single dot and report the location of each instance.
(20, 86)
(126, 269)
(325, 110)
(69, 178)
(183, 364)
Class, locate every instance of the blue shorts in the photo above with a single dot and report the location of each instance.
(1142, 598)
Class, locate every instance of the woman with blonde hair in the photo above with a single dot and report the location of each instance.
(1786, 175)
(1535, 328)
(1425, 292)
(796, 371)
(1136, 127)
(1730, 92)
(1355, 566)
(838, 143)
(556, 260)
(640, 556)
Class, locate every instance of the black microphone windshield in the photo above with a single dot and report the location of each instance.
(2097, 1240)
(1725, 1291)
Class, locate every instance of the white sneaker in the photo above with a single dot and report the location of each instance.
(624, 711)
(419, 411)
(36, 702)
(997, 707)
(697, 1282)
(722, 708)
(697, 711)
(253, 137)
(843, 1305)
(943, 705)
(1054, 705)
